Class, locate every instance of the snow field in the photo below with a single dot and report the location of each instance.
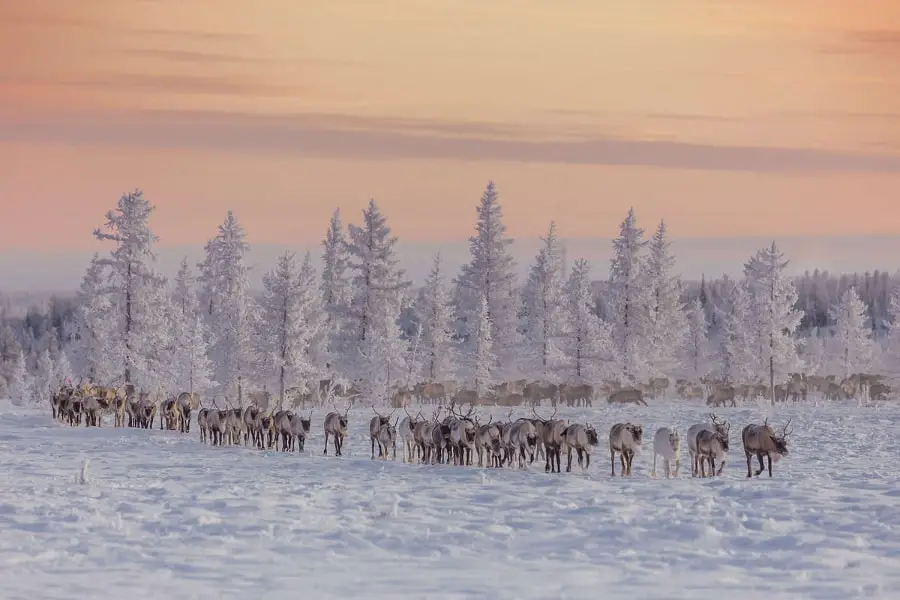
(161, 515)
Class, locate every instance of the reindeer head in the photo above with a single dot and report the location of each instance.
(780, 441)
(593, 438)
(637, 432)
(674, 441)
(306, 423)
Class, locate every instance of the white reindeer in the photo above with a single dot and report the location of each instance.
(667, 444)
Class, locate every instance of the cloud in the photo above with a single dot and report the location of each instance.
(354, 137)
(878, 42)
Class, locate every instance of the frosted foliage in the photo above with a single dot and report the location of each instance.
(696, 354)
(383, 355)
(43, 378)
(96, 347)
(628, 300)
(285, 330)
(314, 320)
(542, 310)
(891, 356)
(62, 371)
(587, 342)
(134, 289)
(377, 292)
(192, 369)
(484, 360)
(435, 350)
(335, 286)
(21, 384)
(773, 320)
(851, 347)
(667, 325)
(231, 309)
(738, 362)
(489, 275)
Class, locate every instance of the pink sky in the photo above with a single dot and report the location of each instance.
(772, 118)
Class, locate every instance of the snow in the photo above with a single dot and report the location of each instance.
(160, 515)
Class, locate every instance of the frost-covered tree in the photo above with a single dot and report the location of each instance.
(696, 354)
(134, 289)
(192, 369)
(96, 347)
(21, 386)
(891, 358)
(489, 276)
(542, 309)
(629, 299)
(484, 360)
(231, 309)
(738, 362)
(287, 304)
(43, 377)
(62, 371)
(587, 342)
(377, 288)
(774, 318)
(667, 325)
(335, 282)
(434, 310)
(851, 347)
(315, 319)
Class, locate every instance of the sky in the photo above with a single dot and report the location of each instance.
(731, 119)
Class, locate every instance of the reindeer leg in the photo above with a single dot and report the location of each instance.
(326, 444)
(759, 457)
(769, 456)
(373, 448)
(558, 452)
(569, 465)
(712, 466)
(749, 459)
(677, 466)
(612, 461)
(587, 460)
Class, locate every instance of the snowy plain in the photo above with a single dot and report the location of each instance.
(163, 516)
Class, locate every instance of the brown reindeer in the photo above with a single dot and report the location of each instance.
(762, 441)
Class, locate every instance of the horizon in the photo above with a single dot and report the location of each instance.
(695, 257)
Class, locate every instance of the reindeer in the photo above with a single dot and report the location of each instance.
(440, 442)
(762, 441)
(300, 430)
(422, 435)
(714, 425)
(170, 414)
(551, 435)
(487, 443)
(376, 425)
(581, 438)
(462, 436)
(146, 411)
(407, 433)
(721, 396)
(667, 444)
(575, 395)
(93, 411)
(202, 423)
(522, 436)
(215, 420)
(712, 445)
(626, 439)
(336, 426)
(186, 403)
(627, 396)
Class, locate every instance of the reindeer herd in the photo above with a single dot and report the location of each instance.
(459, 438)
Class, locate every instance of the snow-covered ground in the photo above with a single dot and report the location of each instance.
(162, 516)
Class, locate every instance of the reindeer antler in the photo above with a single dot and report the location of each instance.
(785, 431)
(376, 412)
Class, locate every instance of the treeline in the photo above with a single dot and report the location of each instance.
(359, 318)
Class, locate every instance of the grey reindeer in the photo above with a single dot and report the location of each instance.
(626, 439)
